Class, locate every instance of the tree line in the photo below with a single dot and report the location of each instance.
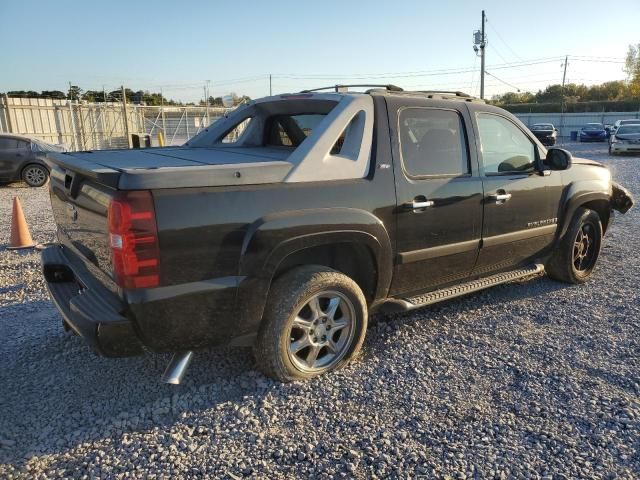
(615, 91)
(99, 96)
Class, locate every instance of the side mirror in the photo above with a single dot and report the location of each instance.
(558, 158)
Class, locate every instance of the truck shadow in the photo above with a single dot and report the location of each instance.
(54, 386)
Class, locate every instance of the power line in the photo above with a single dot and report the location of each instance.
(502, 40)
(595, 60)
(495, 50)
(313, 76)
(500, 80)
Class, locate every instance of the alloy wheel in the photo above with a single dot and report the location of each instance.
(321, 332)
(35, 176)
(584, 248)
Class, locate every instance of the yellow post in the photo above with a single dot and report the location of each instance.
(161, 139)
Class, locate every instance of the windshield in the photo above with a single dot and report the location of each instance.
(593, 126)
(542, 126)
(630, 122)
(628, 129)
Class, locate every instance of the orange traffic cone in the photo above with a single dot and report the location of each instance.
(20, 236)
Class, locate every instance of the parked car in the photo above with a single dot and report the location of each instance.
(545, 132)
(285, 224)
(626, 140)
(22, 158)
(619, 123)
(593, 132)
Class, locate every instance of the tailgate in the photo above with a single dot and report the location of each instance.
(80, 204)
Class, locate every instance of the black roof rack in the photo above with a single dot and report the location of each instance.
(391, 88)
(443, 95)
(457, 93)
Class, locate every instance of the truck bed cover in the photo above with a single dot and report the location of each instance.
(178, 166)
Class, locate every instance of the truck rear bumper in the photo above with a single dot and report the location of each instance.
(88, 308)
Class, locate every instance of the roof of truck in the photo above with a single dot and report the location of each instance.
(394, 90)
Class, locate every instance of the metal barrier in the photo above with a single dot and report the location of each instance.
(99, 126)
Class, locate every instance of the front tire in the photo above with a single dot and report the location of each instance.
(35, 175)
(575, 258)
(315, 321)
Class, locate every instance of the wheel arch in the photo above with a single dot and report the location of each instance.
(350, 241)
(588, 194)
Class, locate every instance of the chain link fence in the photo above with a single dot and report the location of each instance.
(100, 126)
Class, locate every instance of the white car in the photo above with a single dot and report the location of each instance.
(619, 123)
(625, 140)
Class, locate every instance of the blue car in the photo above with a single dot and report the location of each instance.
(593, 132)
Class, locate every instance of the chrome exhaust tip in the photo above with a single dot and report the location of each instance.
(177, 367)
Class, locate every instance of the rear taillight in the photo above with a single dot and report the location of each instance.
(133, 237)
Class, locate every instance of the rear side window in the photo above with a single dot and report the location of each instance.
(8, 143)
(505, 148)
(236, 132)
(433, 142)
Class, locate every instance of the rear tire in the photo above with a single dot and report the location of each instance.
(315, 321)
(574, 260)
(35, 175)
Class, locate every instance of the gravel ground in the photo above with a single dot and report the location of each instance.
(529, 380)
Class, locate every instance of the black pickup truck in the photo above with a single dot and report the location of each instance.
(286, 223)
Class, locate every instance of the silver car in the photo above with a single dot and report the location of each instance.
(625, 140)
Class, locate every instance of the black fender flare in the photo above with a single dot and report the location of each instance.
(578, 194)
(270, 240)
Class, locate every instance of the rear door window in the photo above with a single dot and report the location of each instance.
(433, 142)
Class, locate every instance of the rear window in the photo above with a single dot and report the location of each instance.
(433, 142)
(290, 130)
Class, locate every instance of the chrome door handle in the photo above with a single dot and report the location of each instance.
(423, 204)
(500, 197)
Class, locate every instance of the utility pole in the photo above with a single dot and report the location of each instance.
(104, 116)
(70, 92)
(206, 93)
(482, 50)
(564, 78)
(270, 92)
(479, 43)
(126, 119)
(164, 126)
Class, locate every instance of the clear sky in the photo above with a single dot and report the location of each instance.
(178, 45)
